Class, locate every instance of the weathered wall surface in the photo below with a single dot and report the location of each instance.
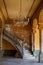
(7, 46)
(22, 32)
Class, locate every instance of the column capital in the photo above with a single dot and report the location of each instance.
(40, 25)
(35, 29)
(41, 19)
(35, 25)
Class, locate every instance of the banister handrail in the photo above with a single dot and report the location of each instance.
(14, 39)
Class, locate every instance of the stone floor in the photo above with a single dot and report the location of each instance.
(12, 61)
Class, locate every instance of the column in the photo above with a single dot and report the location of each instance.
(36, 40)
(33, 41)
(41, 41)
(0, 34)
(41, 38)
(41, 29)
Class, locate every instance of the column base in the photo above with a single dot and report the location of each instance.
(37, 55)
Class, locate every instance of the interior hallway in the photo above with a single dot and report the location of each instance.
(21, 31)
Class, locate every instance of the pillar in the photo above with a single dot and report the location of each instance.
(0, 34)
(41, 30)
(42, 41)
(33, 41)
(36, 40)
(41, 38)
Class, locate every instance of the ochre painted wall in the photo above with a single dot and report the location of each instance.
(7, 46)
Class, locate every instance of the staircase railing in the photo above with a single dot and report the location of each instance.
(13, 40)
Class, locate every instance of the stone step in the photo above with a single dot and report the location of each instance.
(27, 55)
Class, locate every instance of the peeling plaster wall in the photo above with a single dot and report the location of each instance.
(22, 32)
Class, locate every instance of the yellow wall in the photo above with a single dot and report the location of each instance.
(7, 46)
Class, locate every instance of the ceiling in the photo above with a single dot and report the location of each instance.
(18, 8)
